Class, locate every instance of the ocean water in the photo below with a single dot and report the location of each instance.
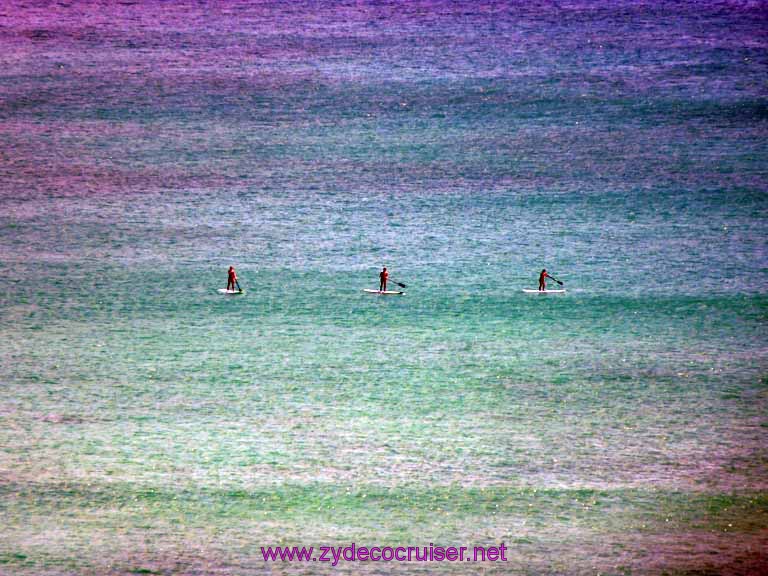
(149, 423)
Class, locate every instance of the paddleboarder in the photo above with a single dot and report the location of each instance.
(232, 280)
(543, 280)
(383, 277)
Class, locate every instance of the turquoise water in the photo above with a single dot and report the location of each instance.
(144, 148)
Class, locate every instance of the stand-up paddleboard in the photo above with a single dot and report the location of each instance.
(231, 292)
(384, 292)
(532, 291)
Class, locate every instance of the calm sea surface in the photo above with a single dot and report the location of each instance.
(147, 146)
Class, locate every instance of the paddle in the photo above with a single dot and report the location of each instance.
(240, 289)
(555, 279)
(399, 284)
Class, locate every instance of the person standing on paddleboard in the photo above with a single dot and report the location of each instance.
(232, 279)
(383, 276)
(543, 280)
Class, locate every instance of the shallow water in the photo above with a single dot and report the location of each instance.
(145, 147)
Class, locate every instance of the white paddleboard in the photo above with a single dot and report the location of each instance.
(532, 291)
(231, 292)
(384, 293)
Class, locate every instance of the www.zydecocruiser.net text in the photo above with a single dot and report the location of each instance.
(355, 553)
